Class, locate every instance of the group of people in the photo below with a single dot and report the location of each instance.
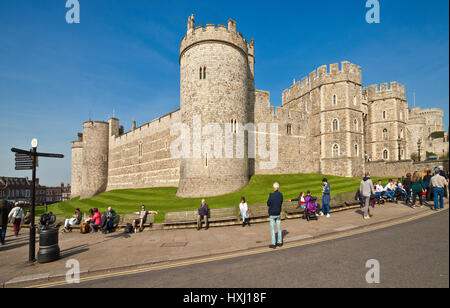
(409, 189)
(94, 222)
(275, 204)
(432, 185)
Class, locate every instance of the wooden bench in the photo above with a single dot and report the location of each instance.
(226, 214)
(181, 218)
(129, 218)
(291, 210)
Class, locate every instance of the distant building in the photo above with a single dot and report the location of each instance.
(19, 189)
(65, 192)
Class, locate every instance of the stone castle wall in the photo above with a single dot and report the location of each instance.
(328, 123)
(219, 97)
(141, 157)
(398, 169)
(94, 171)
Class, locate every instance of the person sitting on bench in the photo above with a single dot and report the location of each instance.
(142, 218)
(203, 214)
(95, 221)
(108, 220)
(75, 220)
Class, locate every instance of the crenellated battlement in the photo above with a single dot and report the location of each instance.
(323, 75)
(385, 91)
(212, 32)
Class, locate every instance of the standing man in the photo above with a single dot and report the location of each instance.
(275, 203)
(203, 213)
(366, 189)
(438, 183)
(16, 215)
(4, 212)
(326, 198)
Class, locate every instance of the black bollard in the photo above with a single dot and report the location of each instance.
(48, 245)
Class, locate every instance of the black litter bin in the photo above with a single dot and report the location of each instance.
(48, 245)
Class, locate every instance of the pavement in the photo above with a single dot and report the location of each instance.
(407, 257)
(99, 254)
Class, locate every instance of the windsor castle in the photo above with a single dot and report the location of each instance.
(329, 123)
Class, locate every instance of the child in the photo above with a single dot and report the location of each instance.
(301, 200)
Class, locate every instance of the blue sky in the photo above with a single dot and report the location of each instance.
(124, 56)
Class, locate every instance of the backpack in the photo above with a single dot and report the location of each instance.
(84, 228)
(44, 219)
(129, 228)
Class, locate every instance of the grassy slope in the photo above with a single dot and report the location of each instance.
(164, 199)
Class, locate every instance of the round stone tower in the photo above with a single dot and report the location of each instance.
(94, 173)
(216, 77)
(77, 163)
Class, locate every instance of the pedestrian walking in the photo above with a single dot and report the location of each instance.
(326, 198)
(16, 215)
(438, 183)
(4, 213)
(417, 189)
(366, 190)
(275, 203)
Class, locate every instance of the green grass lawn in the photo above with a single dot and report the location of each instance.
(165, 200)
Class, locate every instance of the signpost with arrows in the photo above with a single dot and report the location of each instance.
(28, 160)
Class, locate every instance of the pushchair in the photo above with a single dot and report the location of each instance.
(310, 212)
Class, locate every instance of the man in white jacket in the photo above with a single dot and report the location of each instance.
(16, 215)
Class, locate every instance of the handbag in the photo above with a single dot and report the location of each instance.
(249, 213)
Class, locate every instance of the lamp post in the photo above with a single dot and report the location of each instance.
(419, 143)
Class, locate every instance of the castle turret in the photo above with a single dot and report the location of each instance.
(77, 163)
(215, 68)
(94, 175)
(387, 122)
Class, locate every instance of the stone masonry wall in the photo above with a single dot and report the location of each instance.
(155, 167)
(397, 169)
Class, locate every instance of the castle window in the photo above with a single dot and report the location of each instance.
(356, 150)
(140, 149)
(355, 122)
(384, 115)
(335, 125)
(401, 134)
(335, 151)
(233, 126)
(289, 129)
(204, 72)
(355, 101)
(385, 155)
(385, 134)
(201, 73)
(334, 100)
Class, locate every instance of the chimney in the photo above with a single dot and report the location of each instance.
(133, 125)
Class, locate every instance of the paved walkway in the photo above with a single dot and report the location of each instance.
(102, 253)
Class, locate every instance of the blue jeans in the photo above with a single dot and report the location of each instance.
(277, 220)
(244, 216)
(326, 208)
(390, 194)
(3, 233)
(438, 197)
